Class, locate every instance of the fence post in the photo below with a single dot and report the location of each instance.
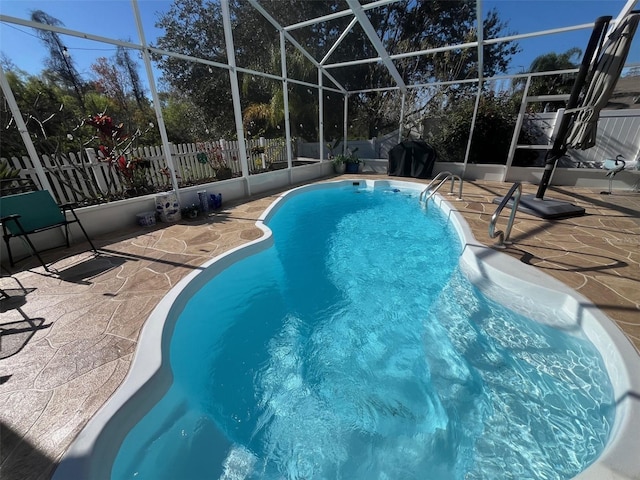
(157, 162)
(226, 155)
(95, 165)
(57, 191)
(176, 167)
(263, 144)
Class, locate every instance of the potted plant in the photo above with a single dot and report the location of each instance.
(190, 211)
(339, 163)
(352, 162)
(212, 154)
(224, 172)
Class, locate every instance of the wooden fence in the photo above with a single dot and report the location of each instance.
(87, 177)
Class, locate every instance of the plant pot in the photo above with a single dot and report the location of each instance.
(339, 168)
(351, 167)
(224, 173)
(146, 219)
(167, 207)
(190, 213)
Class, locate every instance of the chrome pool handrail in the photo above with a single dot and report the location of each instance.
(504, 236)
(447, 176)
(434, 180)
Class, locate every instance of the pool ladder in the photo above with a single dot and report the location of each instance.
(428, 193)
(503, 237)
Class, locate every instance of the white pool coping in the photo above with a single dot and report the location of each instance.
(498, 275)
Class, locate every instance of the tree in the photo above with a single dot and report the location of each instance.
(553, 84)
(59, 61)
(195, 28)
(11, 144)
(120, 93)
(183, 120)
(110, 82)
(495, 121)
(263, 105)
(47, 109)
(423, 25)
(53, 121)
(6, 63)
(130, 70)
(60, 129)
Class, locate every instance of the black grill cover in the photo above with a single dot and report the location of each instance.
(411, 158)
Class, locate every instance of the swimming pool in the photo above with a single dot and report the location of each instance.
(483, 271)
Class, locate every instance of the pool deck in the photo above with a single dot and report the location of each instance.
(67, 339)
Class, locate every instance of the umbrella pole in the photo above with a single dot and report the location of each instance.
(559, 148)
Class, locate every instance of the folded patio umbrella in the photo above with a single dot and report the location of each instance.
(607, 70)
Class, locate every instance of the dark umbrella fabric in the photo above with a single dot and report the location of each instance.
(607, 71)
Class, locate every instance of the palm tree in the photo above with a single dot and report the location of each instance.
(553, 84)
(266, 113)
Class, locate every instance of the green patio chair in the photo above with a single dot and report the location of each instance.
(28, 213)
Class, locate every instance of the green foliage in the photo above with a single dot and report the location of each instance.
(10, 180)
(428, 24)
(115, 148)
(41, 103)
(59, 62)
(7, 172)
(184, 121)
(52, 110)
(349, 157)
(195, 28)
(57, 125)
(197, 101)
(421, 25)
(339, 159)
(556, 61)
(495, 123)
(331, 146)
(552, 84)
(263, 98)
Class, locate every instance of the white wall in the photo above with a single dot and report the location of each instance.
(113, 216)
(618, 134)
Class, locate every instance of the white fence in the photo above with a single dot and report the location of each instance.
(618, 134)
(75, 177)
(79, 176)
(367, 149)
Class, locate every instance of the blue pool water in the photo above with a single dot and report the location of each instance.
(355, 349)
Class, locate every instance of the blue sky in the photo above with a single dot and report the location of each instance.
(524, 16)
(107, 18)
(114, 18)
